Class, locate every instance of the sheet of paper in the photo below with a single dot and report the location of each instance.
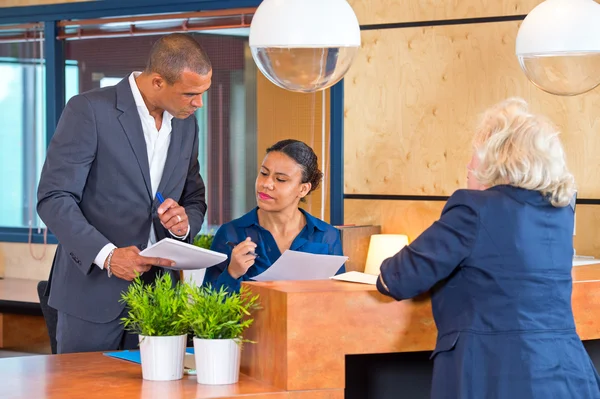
(584, 260)
(357, 277)
(293, 265)
(185, 256)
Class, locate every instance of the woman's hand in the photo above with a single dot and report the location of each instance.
(241, 258)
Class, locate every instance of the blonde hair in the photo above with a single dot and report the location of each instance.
(521, 149)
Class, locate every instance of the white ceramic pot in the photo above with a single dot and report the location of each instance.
(217, 361)
(162, 357)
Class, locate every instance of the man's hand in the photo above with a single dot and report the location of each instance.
(126, 261)
(173, 217)
(241, 258)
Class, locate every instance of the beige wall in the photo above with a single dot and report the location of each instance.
(412, 98)
(25, 261)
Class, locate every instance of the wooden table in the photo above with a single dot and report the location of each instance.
(93, 375)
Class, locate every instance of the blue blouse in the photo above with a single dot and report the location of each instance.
(317, 237)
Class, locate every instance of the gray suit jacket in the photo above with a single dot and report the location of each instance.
(95, 189)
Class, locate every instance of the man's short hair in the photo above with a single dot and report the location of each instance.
(174, 53)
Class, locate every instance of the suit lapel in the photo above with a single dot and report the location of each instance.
(130, 121)
(173, 155)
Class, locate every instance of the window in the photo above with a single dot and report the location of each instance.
(227, 122)
(23, 130)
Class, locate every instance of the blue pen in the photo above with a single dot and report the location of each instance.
(160, 198)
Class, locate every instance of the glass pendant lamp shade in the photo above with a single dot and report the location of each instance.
(304, 45)
(558, 46)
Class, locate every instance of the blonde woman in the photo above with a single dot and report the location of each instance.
(498, 263)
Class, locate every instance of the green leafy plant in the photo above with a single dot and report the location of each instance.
(213, 314)
(203, 240)
(155, 309)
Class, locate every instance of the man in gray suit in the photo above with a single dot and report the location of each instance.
(113, 150)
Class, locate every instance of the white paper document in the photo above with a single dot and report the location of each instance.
(584, 260)
(357, 277)
(185, 256)
(294, 265)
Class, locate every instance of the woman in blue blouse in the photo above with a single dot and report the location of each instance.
(498, 263)
(289, 172)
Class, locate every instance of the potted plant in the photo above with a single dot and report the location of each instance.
(203, 240)
(155, 315)
(197, 276)
(218, 320)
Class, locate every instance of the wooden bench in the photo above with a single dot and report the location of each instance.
(22, 325)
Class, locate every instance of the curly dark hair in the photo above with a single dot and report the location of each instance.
(304, 156)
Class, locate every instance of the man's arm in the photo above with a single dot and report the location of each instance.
(69, 158)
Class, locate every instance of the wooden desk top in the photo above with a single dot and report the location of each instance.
(581, 274)
(311, 286)
(93, 375)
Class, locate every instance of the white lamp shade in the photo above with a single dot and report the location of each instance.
(304, 24)
(560, 26)
(558, 46)
(381, 247)
(304, 45)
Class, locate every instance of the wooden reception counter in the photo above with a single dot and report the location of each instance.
(304, 333)
(307, 328)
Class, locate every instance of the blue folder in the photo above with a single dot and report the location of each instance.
(133, 355)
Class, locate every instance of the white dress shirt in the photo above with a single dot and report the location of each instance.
(157, 145)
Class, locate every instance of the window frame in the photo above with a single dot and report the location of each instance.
(54, 56)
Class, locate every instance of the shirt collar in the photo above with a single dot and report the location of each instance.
(139, 100)
(312, 223)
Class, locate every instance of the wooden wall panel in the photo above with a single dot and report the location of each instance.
(396, 217)
(587, 230)
(393, 11)
(413, 217)
(355, 243)
(24, 333)
(413, 97)
(283, 114)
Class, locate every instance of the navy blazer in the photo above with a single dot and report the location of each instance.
(317, 237)
(95, 189)
(499, 265)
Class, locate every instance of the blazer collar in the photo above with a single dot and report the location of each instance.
(523, 195)
(173, 154)
(132, 126)
(130, 121)
(125, 99)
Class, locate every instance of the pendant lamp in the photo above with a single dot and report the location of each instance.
(558, 46)
(304, 45)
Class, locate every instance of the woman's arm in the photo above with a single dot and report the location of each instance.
(433, 256)
(218, 276)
